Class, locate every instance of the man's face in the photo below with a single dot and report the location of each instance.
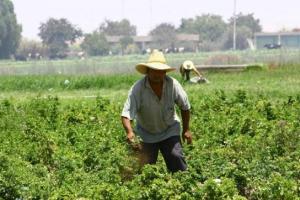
(156, 76)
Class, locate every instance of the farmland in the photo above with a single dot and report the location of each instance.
(64, 140)
(123, 64)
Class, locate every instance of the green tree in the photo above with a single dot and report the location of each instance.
(164, 35)
(209, 27)
(117, 28)
(31, 47)
(125, 41)
(57, 34)
(246, 26)
(10, 30)
(247, 21)
(242, 34)
(95, 44)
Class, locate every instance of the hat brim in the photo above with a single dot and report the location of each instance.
(142, 67)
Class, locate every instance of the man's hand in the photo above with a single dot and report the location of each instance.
(132, 141)
(187, 136)
(130, 137)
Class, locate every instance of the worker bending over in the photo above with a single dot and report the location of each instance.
(186, 68)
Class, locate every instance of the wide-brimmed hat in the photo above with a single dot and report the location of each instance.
(156, 61)
(188, 65)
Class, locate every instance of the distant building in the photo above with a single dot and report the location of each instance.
(143, 42)
(283, 39)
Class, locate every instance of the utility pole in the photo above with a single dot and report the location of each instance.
(123, 9)
(150, 14)
(234, 25)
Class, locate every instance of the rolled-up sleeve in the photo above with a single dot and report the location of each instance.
(181, 98)
(130, 107)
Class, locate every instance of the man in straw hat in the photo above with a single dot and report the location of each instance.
(186, 68)
(151, 101)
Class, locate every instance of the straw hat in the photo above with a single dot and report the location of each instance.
(188, 65)
(156, 61)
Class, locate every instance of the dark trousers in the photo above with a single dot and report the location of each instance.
(171, 150)
(187, 75)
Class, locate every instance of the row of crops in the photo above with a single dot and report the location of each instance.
(246, 146)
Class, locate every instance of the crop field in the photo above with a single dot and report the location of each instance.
(61, 138)
(123, 64)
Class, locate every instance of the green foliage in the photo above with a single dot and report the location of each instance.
(246, 146)
(58, 83)
(215, 34)
(242, 34)
(278, 61)
(209, 27)
(246, 141)
(117, 28)
(31, 47)
(125, 41)
(55, 33)
(95, 44)
(248, 21)
(10, 30)
(246, 26)
(257, 67)
(164, 36)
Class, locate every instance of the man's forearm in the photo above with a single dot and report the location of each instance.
(197, 72)
(185, 115)
(130, 134)
(127, 125)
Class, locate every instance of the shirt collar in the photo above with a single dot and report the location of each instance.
(147, 83)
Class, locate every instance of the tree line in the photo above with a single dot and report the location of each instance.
(59, 35)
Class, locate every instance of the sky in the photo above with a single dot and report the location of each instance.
(87, 15)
